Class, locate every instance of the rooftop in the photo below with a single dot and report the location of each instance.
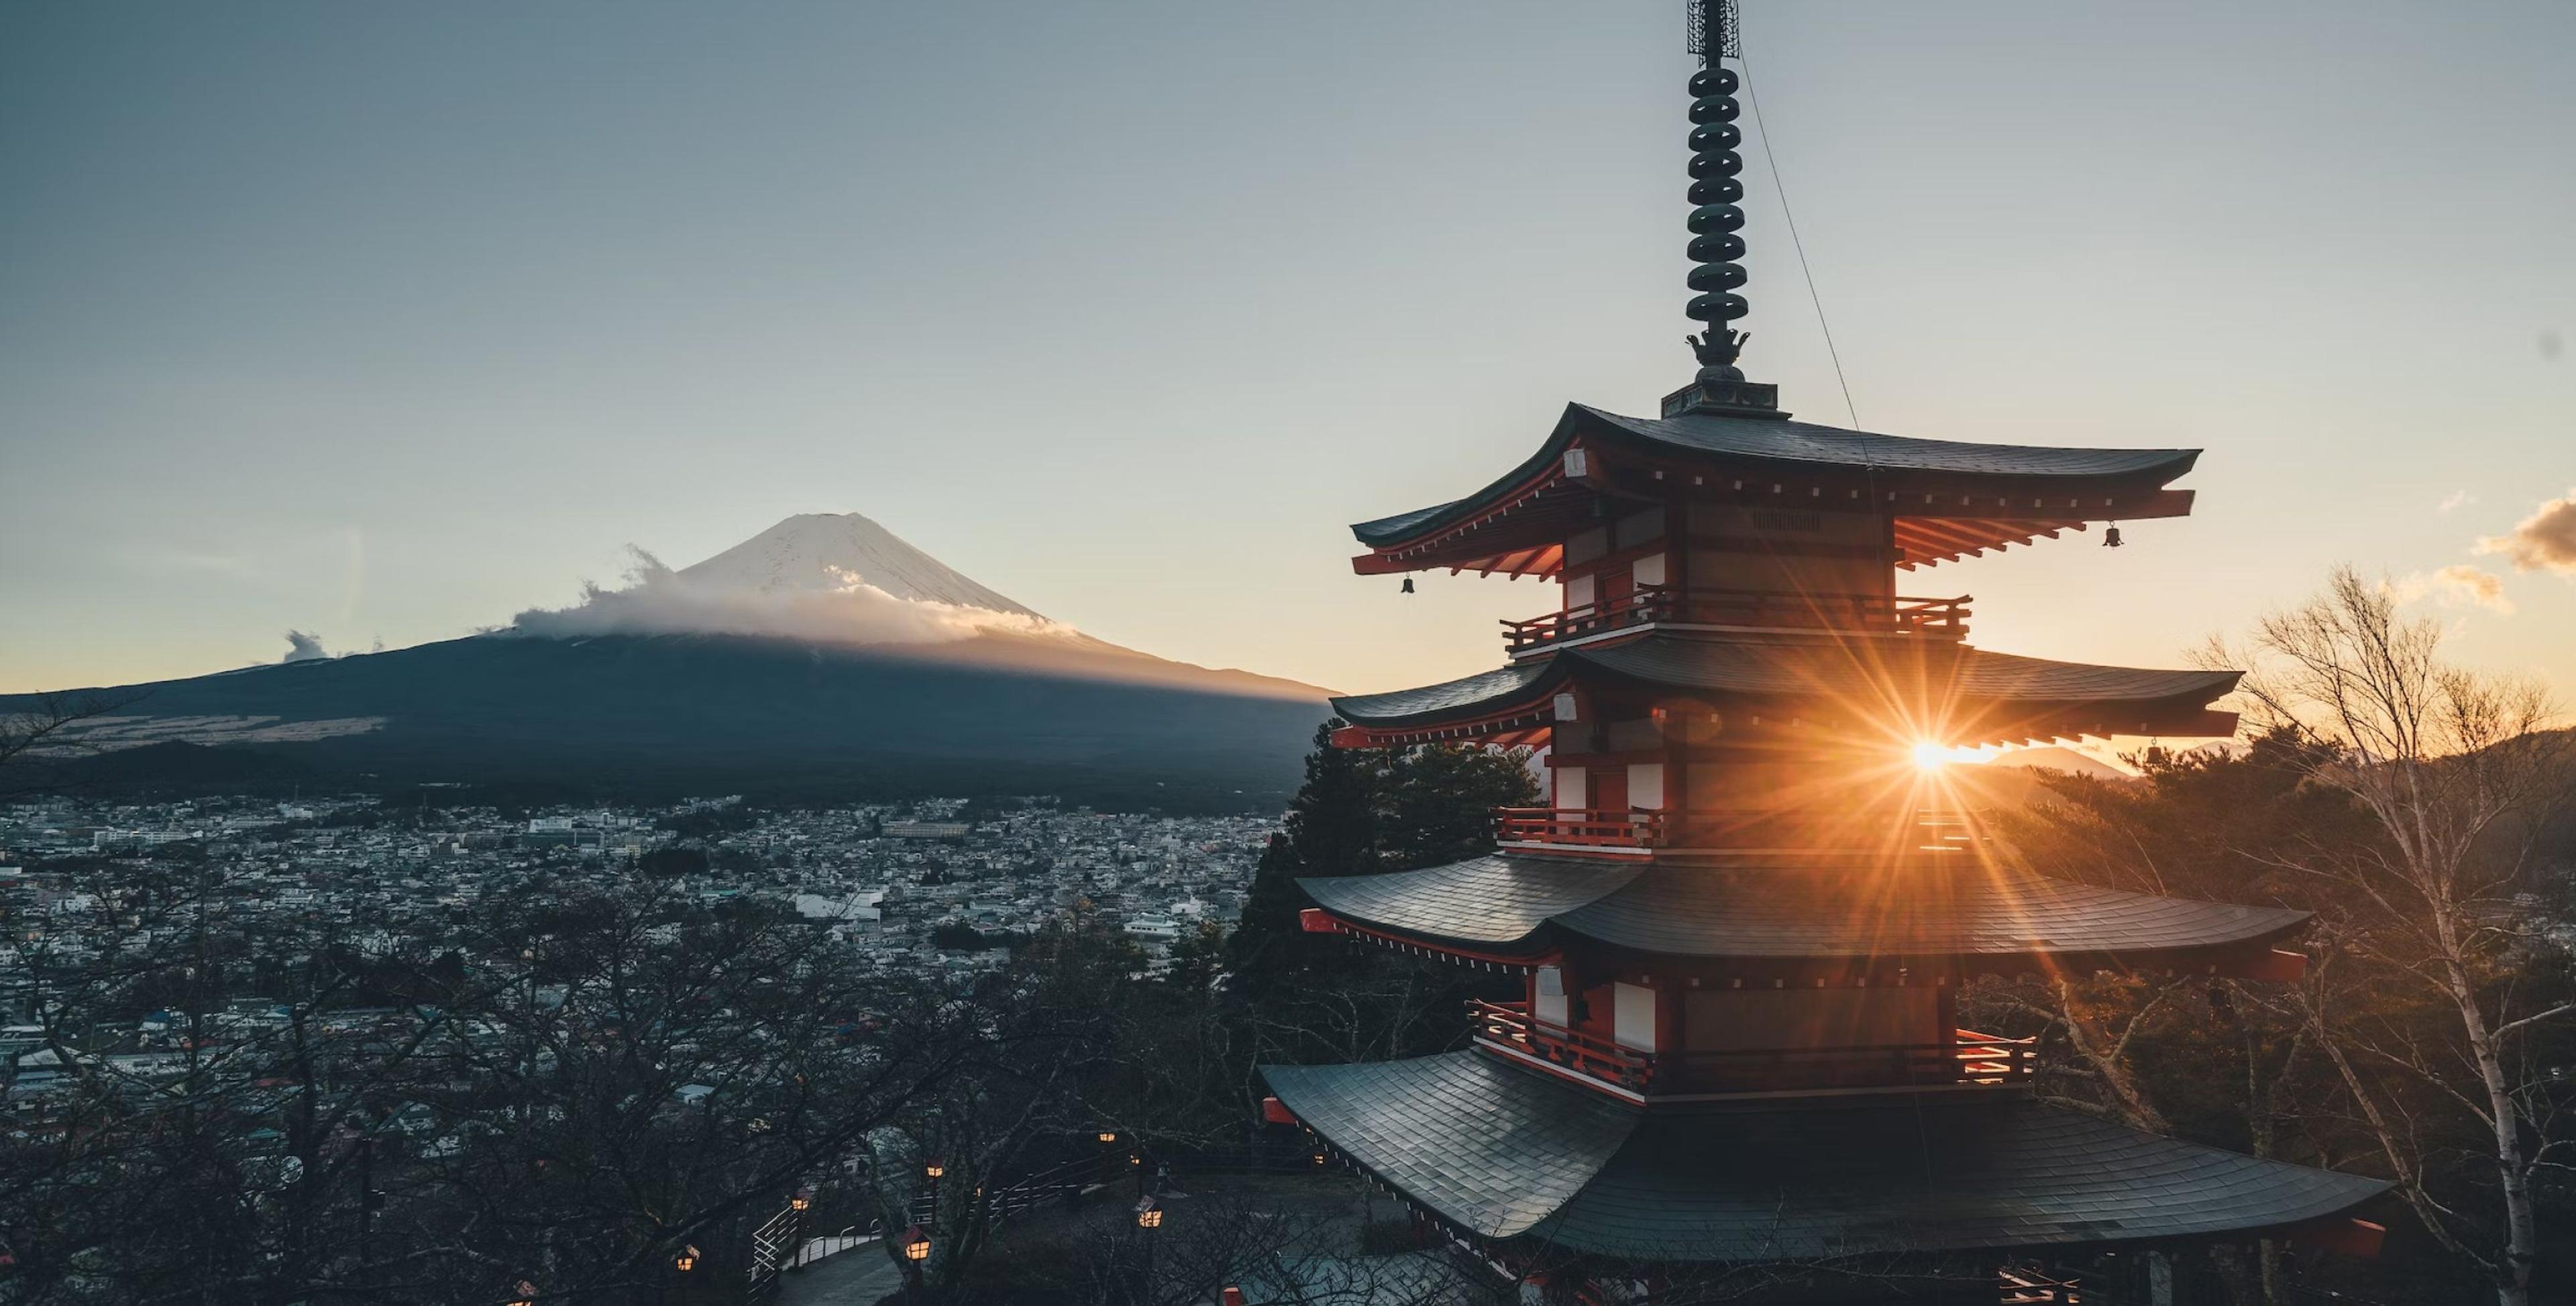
(1514, 904)
(1504, 1152)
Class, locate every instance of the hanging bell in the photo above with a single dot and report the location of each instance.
(1408, 585)
(2111, 538)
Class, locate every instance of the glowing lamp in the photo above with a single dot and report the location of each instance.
(686, 1261)
(935, 1169)
(1149, 1214)
(804, 1198)
(1108, 1136)
(916, 1244)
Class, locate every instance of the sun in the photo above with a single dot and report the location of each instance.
(1930, 757)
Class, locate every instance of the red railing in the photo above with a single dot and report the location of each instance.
(1972, 1058)
(1510, 1024)
(1598, 827)
(1926, 831)
(1649, 604)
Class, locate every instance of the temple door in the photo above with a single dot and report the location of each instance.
(1617, 586)
(1609, 786)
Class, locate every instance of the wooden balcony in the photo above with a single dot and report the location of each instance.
(1649, 605)
(1971, 1058)
(1927, 831)
(1591, 827)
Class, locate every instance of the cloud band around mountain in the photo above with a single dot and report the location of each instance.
(659, 601)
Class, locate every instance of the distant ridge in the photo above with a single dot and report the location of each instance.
(916, 679)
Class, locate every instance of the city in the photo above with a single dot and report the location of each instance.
(880, 655)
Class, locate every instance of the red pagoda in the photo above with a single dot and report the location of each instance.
(1743, 921)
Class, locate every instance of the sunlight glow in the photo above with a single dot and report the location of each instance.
(1929, 756)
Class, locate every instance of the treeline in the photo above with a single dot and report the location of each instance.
(2422, 812)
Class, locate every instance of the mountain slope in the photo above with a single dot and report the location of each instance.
(722, 713)
(822, 655)
(822, 551)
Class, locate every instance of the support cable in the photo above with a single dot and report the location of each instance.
(1796, 243)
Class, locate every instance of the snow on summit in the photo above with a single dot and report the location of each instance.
(823, 551)
(823, 577)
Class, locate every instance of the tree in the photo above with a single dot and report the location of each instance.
(2458, 771)
(1333, 821)
(568, 1090)
(1362, 811)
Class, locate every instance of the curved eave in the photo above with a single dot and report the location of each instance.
(1495, 902)
(1951, 499)
(1989, 920)
(1501, 905)
(1504, 1153)
(1475, 698)
(1959, 696)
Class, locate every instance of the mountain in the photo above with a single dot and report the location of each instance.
(820, 551)
(823, 656)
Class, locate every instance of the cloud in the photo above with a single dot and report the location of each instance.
(2484, 588)
(2456, 499)
(2453, 586)
(659, 601)
(301, 647)
(2543, 541)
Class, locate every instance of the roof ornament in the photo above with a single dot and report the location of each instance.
(1715, 219)
(1718, 349)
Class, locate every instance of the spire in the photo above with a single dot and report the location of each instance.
(1714, 221)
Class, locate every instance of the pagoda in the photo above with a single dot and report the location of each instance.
(1742, 923)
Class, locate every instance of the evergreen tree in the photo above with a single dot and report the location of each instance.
(1333, 821)
(1319, 997)
(1436, 803)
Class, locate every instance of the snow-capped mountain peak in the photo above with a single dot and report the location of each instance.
(827, 551)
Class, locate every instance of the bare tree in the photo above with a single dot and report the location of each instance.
(41, 731)
(2456, 769)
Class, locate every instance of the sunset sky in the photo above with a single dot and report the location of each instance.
(387, 322)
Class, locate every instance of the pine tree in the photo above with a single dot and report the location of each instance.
(1333, 824)
(1436, 803)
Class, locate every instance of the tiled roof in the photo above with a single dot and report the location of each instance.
(1465, 694)
(1490, 1147)
(1506, 1152)
(1781, 440)
(1740, 913)
(1703, 911)
(1492, 899)
(1803, 446)
(1869, 671)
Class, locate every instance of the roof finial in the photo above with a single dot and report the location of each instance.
(1714, 190)
(1715, 219)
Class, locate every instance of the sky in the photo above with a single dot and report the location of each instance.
(385, 322)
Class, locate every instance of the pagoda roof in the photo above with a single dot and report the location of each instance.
(1507, 1152)
(1972, 692)
(1991, 494)
(1528, 904)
